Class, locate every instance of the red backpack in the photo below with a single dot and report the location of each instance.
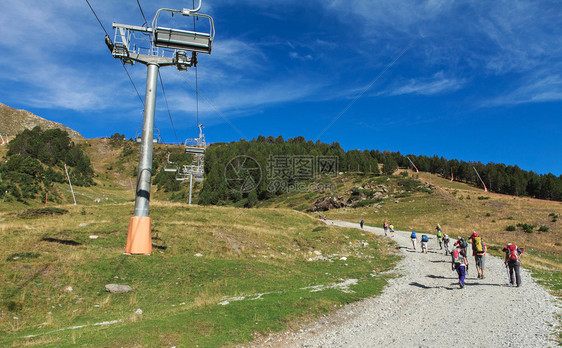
(514, 253)
(457, 256)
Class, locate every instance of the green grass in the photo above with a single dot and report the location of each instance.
(244, 252)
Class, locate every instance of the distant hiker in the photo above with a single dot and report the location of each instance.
(513, 261)
(361, 224)
(325, 217)
(391, 230)
(438, 228)
(446, 243)
(462, 244)
(385, 227)
(460, 264)
(440, 237)
(414, 239)
(479, 249)
(424, 241)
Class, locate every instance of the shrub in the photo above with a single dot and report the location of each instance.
(488, 214)
(543, 228)
(483, 198)
(511, 228)
(528, 228)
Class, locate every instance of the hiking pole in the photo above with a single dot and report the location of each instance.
(508, 280)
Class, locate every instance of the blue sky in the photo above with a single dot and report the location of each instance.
(471, 80)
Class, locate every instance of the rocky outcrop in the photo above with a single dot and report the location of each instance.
(14, 121)
(327, 203)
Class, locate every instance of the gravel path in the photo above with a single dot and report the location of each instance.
(425, 308)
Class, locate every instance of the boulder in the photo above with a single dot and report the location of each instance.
(327, 203)
(117, 289)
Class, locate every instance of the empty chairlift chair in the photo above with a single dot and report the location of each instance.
(171, 167)
(184, 40)
(155, 140)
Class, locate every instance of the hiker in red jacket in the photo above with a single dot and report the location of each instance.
(513, 261)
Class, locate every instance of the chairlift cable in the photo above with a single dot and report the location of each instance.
(135, 87)
(124, 67)
(167, 106)
(242, 136)
(197, 96)
(94, 12)
(142, 13)
(196, 80)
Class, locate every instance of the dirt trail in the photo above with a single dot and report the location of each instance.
(425, 308)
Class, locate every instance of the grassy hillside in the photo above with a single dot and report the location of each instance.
(261, 261)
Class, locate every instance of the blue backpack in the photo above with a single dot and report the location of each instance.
(413, 234)
(424, 238)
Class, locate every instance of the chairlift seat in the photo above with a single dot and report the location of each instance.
(154, 141)
(183, 40)
(198, 179)
(195, 150)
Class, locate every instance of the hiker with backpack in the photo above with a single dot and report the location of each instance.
(479, 249)
(462, 244)
(391, 227)
(446, 243)
(361, 224)
(414, 239)
(440, 237)
(513, 261)
(460, 264)
(385, 227)
(424, 241)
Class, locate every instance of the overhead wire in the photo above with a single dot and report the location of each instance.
(196, 80)
(94, 12)
(142, 13)
(217, 110)
(124, 67)
(166, 99)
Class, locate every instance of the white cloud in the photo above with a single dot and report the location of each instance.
(437, 84)
(542, 87)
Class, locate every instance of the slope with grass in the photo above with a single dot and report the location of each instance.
(216, 276)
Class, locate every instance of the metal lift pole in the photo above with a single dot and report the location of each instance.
(166, 47)
(190, 186)
(142, 196)
(139, 238)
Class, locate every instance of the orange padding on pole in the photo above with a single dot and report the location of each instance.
(139, 239)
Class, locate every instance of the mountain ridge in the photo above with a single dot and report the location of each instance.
(14, 121)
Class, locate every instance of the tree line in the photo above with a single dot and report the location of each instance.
(35, 161)
(217, 188)
(498, 177)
